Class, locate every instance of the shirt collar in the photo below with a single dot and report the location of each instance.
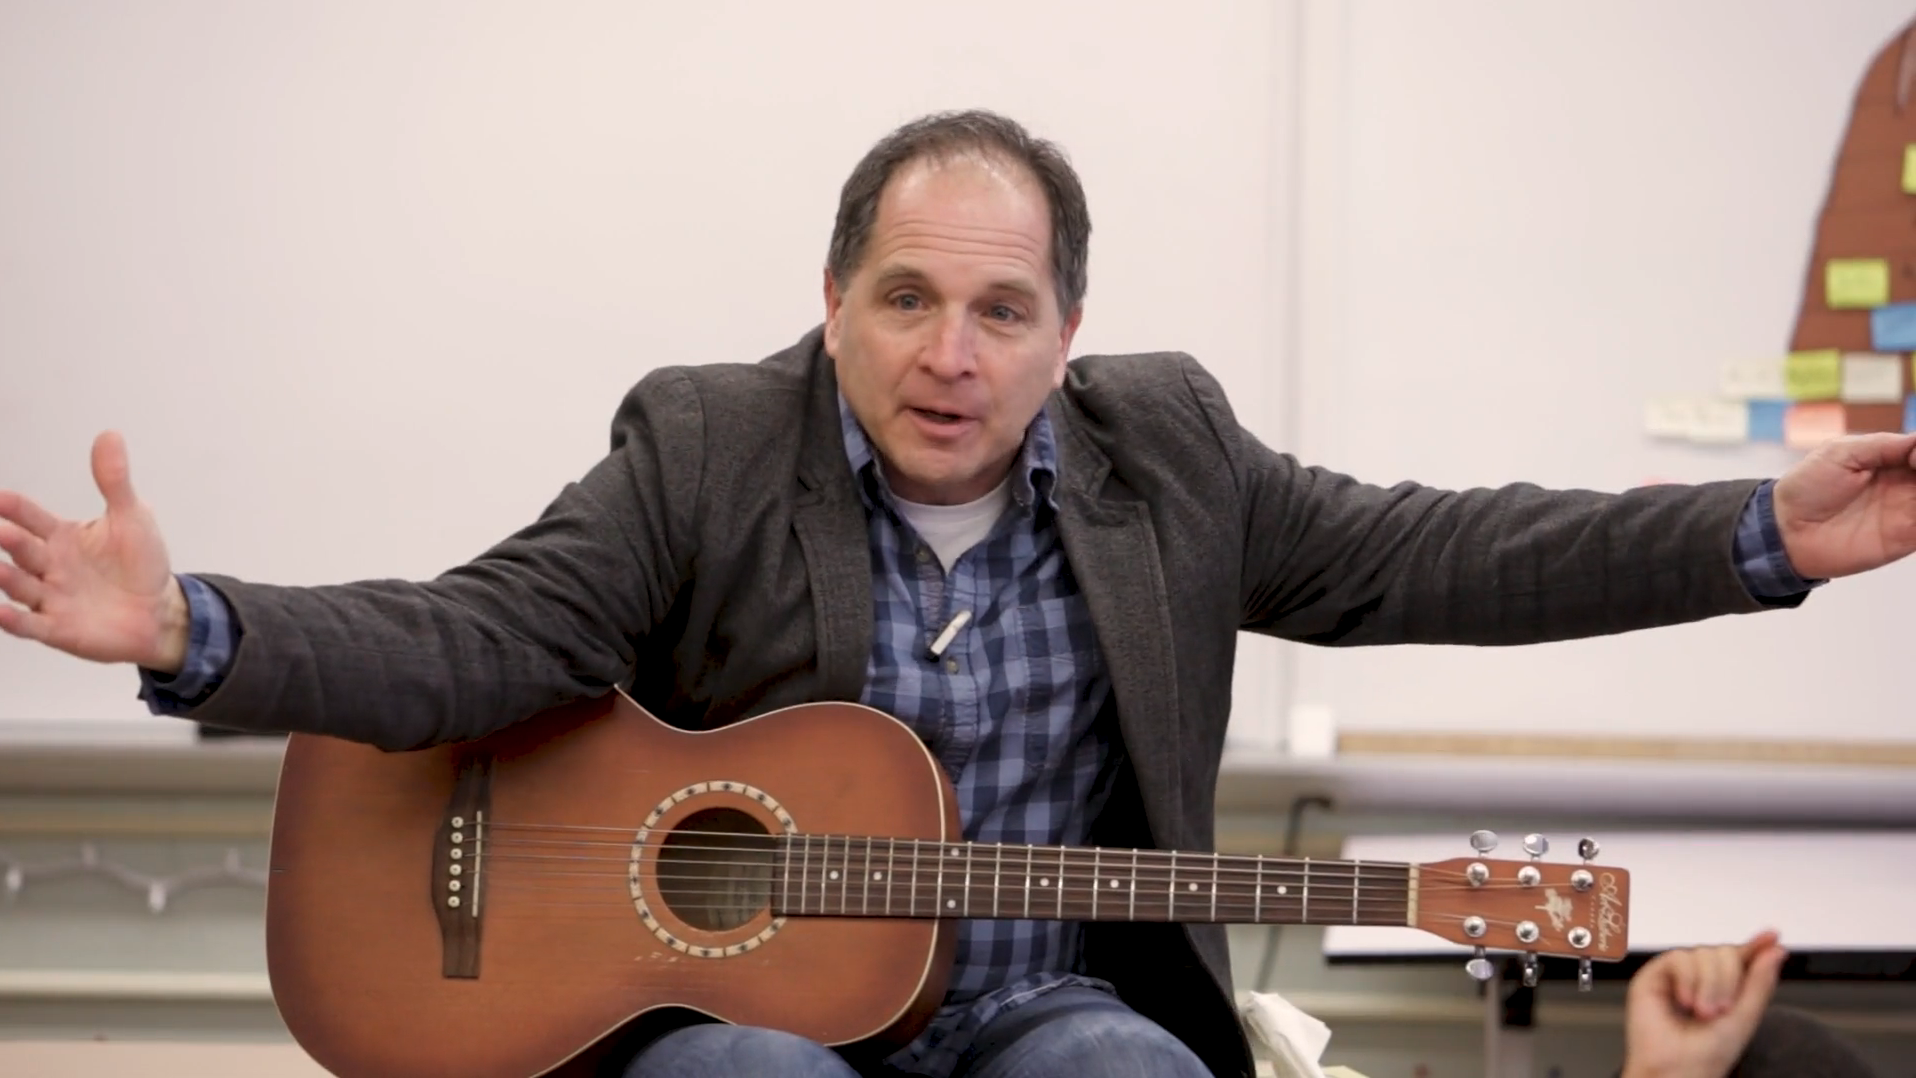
(1034, 477)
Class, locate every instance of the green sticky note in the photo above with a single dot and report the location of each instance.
(1811, 376)
(1909, 168)
(1856, 282)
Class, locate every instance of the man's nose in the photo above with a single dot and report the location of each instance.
(953, 353)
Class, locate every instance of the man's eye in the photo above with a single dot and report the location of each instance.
(1003, 313)
(905, 301)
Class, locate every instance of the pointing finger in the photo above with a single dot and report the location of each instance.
(28, 551)
(25, 512)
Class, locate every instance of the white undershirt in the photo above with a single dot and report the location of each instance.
(950, 530)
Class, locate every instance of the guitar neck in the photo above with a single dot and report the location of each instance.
(855, 876)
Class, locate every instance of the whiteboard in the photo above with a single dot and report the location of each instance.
(1534, 217)
(363, 282)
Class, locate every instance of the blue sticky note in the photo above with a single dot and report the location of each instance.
(1893, 328)
(1909, 414)
(1766, 420)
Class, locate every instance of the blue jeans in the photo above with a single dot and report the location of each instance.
(1066, 1033)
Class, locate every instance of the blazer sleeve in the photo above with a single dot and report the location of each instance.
(550, 614)
(1332, 560)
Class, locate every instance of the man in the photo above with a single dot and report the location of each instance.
(1041, 566)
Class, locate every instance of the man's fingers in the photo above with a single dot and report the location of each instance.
(16, 621)
(28, 551)
(25, 512)
(1682, 973)
(1868, 452)
(1759, 983)
(1757, 944)
(23, 588)
(111, 472)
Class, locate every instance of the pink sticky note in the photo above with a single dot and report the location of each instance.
(1809, 424)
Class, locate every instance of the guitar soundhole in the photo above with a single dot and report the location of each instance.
(715, 869)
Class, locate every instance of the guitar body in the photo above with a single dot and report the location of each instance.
(501, 908)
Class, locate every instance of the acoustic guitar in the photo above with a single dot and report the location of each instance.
(504, 908)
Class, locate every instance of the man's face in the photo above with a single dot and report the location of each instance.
(947, 338)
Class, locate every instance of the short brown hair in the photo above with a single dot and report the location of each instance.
(943, 135)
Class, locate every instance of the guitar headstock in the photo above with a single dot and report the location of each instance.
(1573, 911)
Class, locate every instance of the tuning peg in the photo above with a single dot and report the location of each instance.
(1530, 970)
(1583, 975)
(1483, 841)
(1536, 846)
(1479, 967)
(1588, 849)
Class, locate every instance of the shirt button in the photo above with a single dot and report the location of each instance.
(951, 665)
(923, 555)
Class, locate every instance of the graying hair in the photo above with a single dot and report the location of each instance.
(941, 136)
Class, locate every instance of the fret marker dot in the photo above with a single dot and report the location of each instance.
(834, 874)
(1194, 887)
(951, 903)
(1114, 883)
(878, 875)
(1283, 890)
(954, 853)
(1044, 881)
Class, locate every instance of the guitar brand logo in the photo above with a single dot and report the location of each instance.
(1556, 907)
(1609, 909)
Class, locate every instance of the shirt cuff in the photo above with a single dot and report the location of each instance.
(1758, 551)
(212, 638)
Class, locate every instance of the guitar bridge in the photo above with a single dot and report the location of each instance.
(458, 866)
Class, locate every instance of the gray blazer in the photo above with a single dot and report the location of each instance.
(715, 563)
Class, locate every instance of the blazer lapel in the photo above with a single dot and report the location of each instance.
(1108, 536)
(831, 527)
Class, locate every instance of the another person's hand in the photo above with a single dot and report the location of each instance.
(1849, 506)
(1689, 1013)
(100, 589)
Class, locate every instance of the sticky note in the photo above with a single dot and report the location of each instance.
(1720, 422)
(1849, 283)
(1893, 328)
(1909, 168)
(1669, 417)
(1909, 414)
(1811, 423)
(1814, 375)
(1872, 379)
(1766, 420)
(1750, 379)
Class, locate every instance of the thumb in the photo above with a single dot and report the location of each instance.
(1874, 452)
(112, 474)
(1759, 983)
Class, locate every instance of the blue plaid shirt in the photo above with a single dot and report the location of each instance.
(1009, 707)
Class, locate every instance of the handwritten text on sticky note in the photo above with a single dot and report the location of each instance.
(1851, 283)
(1814, 375)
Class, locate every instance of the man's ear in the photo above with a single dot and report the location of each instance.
(1065, 335)
(834, 302)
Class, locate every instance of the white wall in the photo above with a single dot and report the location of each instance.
(363, 281)
(1525, 220)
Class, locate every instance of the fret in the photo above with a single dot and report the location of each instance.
(1257, 894)
(804, 869)
(1305, 916)
(1030, 863)
(997, 871)
(785, 878)
(891, 856)
(1060, 881)
(1171, 890)
(912, 906)
(968, 857)
(1357, 882)
(1214, 860)
(1131, 913)
(1094, 883)
(845, 878)
(865, 878)
(824, 870)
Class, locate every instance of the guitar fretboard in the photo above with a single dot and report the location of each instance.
(852, 876)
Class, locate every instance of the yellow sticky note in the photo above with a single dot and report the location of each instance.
(1850, 283)
(1812, 376)
(1909, 168)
